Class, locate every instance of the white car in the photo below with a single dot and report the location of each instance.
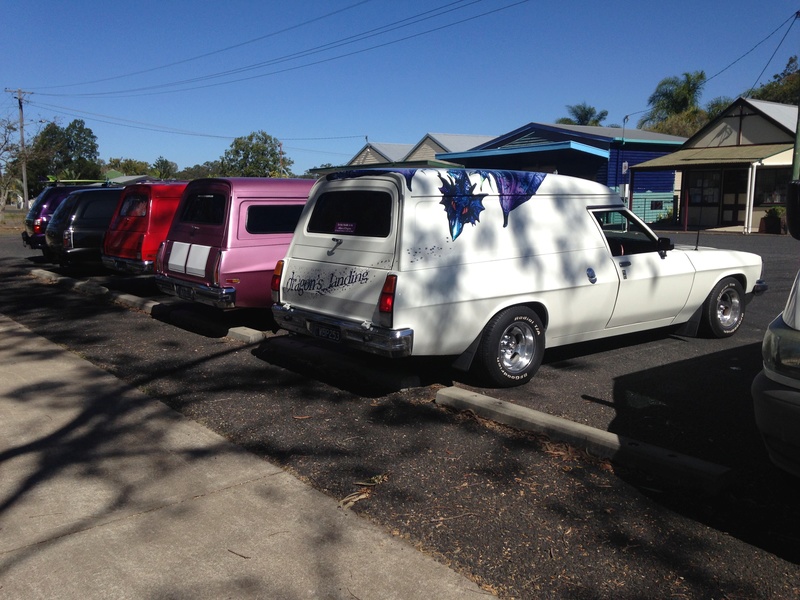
(492, 267)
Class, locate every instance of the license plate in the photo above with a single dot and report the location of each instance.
(326, 332)
(184, 292)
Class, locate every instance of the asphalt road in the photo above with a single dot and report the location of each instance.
(523, 516)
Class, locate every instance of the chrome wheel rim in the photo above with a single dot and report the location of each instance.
(517, 347)
(729, 309)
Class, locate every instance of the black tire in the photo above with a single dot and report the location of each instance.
(723, 311)
(511, 347)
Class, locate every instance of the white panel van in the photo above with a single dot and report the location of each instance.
(487, 265)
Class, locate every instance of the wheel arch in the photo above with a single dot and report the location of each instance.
(463, 361)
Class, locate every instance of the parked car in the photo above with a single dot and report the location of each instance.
(226, 237)
(76, 229)
(776, 389)
(41, 210)
(493, 267)
(139, 225)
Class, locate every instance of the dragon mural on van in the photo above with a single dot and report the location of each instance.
(462, 203)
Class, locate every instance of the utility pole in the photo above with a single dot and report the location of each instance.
(22, 153)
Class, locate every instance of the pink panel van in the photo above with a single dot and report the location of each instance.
(226, 237)
(139, 225)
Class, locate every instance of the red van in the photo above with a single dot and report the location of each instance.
(141, 222)
(227, 236)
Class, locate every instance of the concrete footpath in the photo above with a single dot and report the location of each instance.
(107, 493)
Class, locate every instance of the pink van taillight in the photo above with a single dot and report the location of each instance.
(38, 226)
(139, 248)
(275, 285)
(217, 266)
(386, 300)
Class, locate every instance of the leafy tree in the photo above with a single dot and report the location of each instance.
(673, 96)
(784, 87)
(309, 175)
(128, 166)
(66, 153)
(8, 154)
(583, 114)
(716, 106)
(207, 169)
(163, 168)
(255, 155)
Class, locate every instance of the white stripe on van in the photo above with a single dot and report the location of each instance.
(196, 264)
(177, 258)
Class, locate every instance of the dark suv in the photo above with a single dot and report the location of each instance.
(41, 211)
(76, 229)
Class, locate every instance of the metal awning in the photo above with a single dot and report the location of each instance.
(683, 160)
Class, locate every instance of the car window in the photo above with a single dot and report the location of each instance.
(272, 218)
(355, 212)
(206, 209)
(134, 205)
(100, 208)
(624, 233)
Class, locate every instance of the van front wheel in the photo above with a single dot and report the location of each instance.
(512, 347)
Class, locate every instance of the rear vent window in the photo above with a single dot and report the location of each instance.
(207, 209)
(274, 218)
(134, 205)
(366, 213)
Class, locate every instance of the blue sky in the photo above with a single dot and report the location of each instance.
(181, 79)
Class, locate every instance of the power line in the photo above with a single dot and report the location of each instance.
(143, 91)
(162, 128)
(213, 52)
(793, 18)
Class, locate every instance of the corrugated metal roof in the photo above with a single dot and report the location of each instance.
(723, 155)
(459, 142)
(785, 114)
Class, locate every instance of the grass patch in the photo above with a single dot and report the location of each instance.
(12, 222)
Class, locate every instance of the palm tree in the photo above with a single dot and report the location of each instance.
(674, 96)
(583, 114)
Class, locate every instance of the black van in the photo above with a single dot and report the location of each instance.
(41, 211)
(75, 232)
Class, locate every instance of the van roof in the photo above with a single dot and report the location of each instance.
(252, 184)
(552, 183)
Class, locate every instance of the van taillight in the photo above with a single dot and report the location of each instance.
(386, 300)
(139, 248)
(37, 227)
(67, 239)
(217, 266)
(160, 257)
(275, 285)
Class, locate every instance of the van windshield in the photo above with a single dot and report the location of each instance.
(207, 209)
(276, 218)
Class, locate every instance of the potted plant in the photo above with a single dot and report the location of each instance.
(773, 220)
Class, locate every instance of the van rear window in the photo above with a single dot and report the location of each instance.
(134, 205)
(274, 218)
(208, 209)
(366, 213)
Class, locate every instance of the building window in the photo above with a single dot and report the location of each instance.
(704, 187)
(771, 186)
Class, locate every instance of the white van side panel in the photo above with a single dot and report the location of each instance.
(448, 290)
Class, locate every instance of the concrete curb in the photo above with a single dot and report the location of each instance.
(678, 469)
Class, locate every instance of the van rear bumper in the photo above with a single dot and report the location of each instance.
(394, 343)
(197, 292)
(127, 265)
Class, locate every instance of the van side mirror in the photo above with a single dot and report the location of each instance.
(665, 245)
(793, 209)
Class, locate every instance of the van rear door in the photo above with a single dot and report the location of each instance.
(123, 238)
(344, 246)
(198, 232)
